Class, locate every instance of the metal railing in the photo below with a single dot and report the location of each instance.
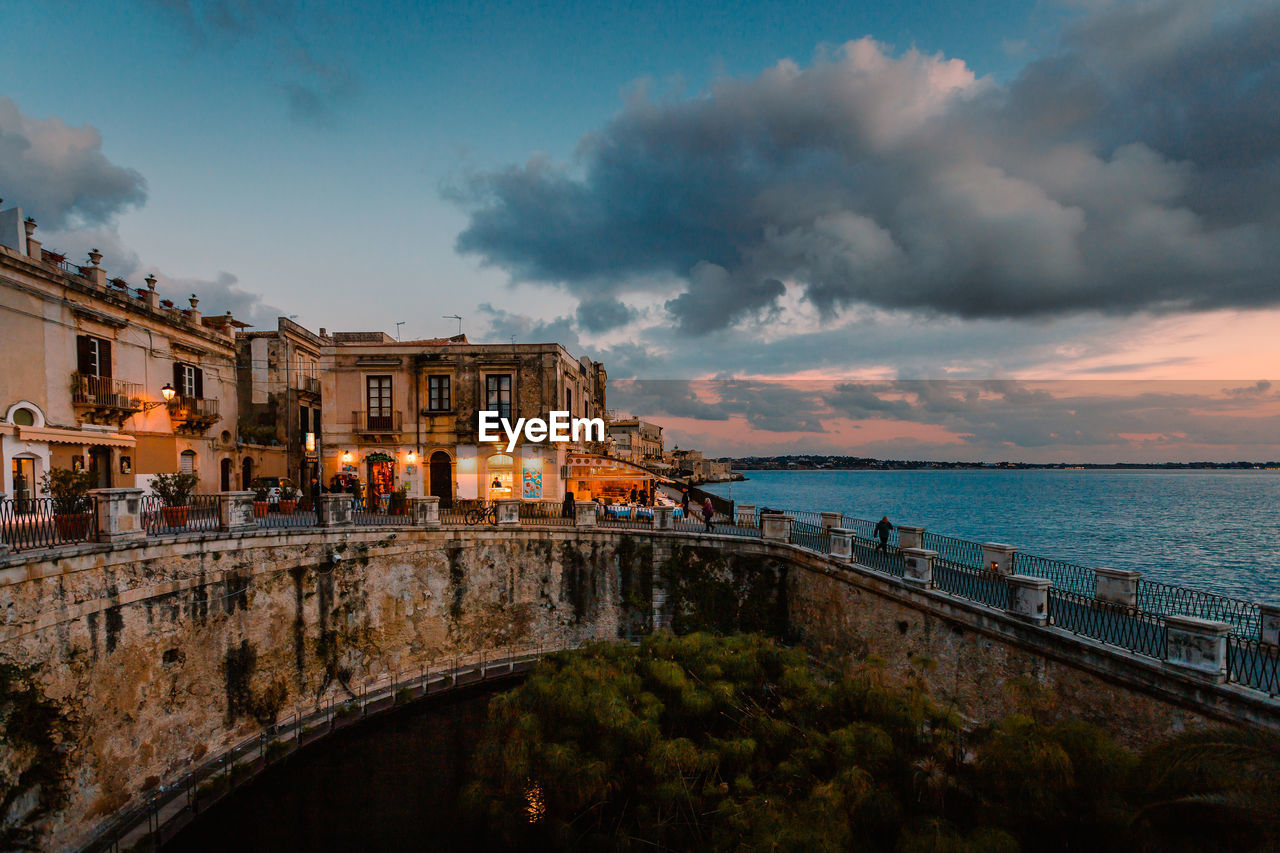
(199, 514)
(977, 585)
(184, 407)
(1113, 624)
(1253, 664)
(1065, 576)
(376, 422)
(275, 517)
(1244, 617)
(33, 523)
(105, 392)
(546, 512)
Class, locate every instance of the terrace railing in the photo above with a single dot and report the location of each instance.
(28, 524)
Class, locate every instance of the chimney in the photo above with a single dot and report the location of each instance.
(194, 314)
(153, 298)
(33, 245)
(94, 272)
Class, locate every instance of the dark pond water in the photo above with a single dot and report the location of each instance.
(391, 783)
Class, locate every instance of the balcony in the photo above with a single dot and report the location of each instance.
(103, 400)
(310, 385)
(193, 414)
(377, 423)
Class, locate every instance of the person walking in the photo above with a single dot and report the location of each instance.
(569, 509)
(882, 533)
(684, 503)
(707, 511)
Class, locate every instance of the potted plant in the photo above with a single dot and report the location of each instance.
(288, 497)
(175, 493)
(72, 504)
(399, 503)
(261, 497)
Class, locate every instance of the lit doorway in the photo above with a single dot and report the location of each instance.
(100, 464)
(501, 477)
(24, 484)
(382, 478)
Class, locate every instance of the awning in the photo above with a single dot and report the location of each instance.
(53, 435)
(587, 467)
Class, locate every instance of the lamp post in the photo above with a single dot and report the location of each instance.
(167, 392)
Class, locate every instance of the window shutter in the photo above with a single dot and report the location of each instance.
(84, 359)
(177, 378)
(199, 382)
(104, 358)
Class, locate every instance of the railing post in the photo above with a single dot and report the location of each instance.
(744, 515)
(1119, 586)
(119, 514)
(508, 511)
(776, 526)
(1197, 646)
(1029, 598)
(335, 510)
(910, 536)
(1270, 619)
(4, 548)
(235, 511)
(830, 520)
(841, 544)
(998, 557)
(426, 511)
(585, 513)
(663, 517)
(917, 565)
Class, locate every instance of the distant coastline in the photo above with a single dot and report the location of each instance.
(860, 463)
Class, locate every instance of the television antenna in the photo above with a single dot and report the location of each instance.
(398, 325)
(457, 317)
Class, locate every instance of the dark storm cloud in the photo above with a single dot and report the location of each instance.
(1137, 168)
(604, 313)
(218, 296)
(58, 174)
(503, 326)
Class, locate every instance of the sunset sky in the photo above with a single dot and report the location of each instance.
(1015, 229)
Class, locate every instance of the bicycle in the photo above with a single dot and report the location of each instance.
(484, 514)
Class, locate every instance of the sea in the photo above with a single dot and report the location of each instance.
(1213, 530)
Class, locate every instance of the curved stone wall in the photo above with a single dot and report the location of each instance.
(164, 654)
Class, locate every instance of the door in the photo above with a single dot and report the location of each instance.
(226, 475)
(442, 478)
(100, 464)
(382, 481)
(24, 484)
(246, 474)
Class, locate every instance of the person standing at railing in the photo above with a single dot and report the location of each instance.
(569, 508)
(707, 511)
(684, 503)
(882, 533)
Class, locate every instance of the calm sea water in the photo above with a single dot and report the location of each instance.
(1215, 530)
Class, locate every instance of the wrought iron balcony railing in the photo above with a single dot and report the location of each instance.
(377, 421)
(104, 392)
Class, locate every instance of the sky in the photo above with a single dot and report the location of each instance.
(1020, 229)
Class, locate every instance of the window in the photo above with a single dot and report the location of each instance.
(439, 398)
(187, 462)
(568, 400)
(93, 356)
(498, 394)
(24, 417)
(378, 399)
(188, 380)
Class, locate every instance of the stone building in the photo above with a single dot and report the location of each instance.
(404, 414)
(280, 404)
(105, 376)
(636, 440)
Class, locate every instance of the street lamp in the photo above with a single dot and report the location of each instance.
(167, 392)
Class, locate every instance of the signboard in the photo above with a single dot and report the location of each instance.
(532, 484)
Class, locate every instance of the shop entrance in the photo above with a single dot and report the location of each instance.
(24, 484)
(100, 464)
(382, 477)
(501, 477)
(442, 478)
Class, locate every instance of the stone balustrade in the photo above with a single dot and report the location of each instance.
(910, 536)
(998, 557)
(917, 566)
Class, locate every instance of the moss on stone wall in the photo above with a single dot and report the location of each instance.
(724, 593)
(36, 737)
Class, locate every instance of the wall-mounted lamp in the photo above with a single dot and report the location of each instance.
(310, 442)
(167, 392)
(412, 457)
(347, 457)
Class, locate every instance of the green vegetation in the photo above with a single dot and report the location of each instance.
(69, 490)
(736, 743)
(175, 489)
